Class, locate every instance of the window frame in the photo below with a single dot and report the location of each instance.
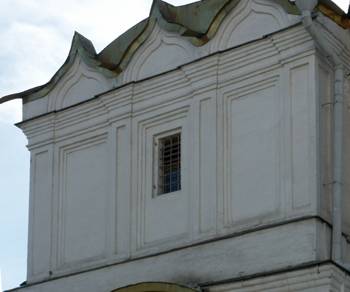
(156, 161)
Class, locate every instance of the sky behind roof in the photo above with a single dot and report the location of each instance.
(35, 37)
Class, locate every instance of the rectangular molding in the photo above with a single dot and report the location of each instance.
(123, 196)
(40, 214)
(84, 200)
(302, 132)
(160, 220)
(207, 166)
(252, 152)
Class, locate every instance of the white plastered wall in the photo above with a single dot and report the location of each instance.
(249, 159)
(250, 153)
(346, 202)
(321, 278)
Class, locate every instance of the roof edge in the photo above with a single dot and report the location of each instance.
(198, 22)
(80, 46)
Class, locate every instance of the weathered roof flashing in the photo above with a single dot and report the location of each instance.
(198, 22)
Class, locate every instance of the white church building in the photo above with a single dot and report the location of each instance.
(205, 149)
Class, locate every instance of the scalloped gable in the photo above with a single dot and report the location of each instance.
(197, 22)
(251, 20)
(81, 47)
(80, 83)
(161, 52)
(81, 77)
(193, 21)
(167, 49)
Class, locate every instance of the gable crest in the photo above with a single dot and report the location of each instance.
(80, 83)
(161, 52)
(251, 20)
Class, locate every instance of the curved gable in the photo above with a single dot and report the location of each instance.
(80, 83)
(251, 20)
(243, 21)
(181, 34)
(161, 52)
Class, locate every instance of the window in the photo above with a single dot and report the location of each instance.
(168, 164)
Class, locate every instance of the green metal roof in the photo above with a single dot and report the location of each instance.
(198, 22)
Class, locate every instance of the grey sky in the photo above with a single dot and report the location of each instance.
(35, 37)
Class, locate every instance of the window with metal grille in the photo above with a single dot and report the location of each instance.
(169, 164)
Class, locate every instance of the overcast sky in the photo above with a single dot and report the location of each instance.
(35, 37)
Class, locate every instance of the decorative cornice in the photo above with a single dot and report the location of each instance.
(81, 47)
(198, 22)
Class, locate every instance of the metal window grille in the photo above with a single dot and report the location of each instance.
(169, 171)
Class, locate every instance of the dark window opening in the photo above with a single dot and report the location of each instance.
(169, 165)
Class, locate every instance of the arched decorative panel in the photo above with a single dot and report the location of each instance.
(250, 20)
(79, 84)
(163, 51)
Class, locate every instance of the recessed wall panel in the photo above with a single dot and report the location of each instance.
(346, 147)
(122, 182)
(164, 219)
(85, 194)
(326, 135)
(301, 136)
(207, 166)
(40, 224)
(254, 155)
